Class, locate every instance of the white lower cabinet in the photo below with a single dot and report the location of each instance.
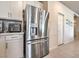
(11, 46)
(2, 46)
(14, 48)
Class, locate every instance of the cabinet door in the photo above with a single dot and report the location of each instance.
(2, 46)
(16, 10)
(14, 48)
(4, 9)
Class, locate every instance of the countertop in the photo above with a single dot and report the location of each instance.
(18, 33)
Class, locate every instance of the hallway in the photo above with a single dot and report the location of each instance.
(70, 50)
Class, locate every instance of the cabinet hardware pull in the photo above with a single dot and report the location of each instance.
(13, 37)
(6, 45)
(8, 14)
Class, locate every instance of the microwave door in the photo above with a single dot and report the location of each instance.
(11, 26)
(14, 28)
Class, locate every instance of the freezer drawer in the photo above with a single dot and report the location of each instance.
(44, 47)
(33, 50)
(37, 49)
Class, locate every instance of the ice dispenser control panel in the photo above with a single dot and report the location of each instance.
(34, 30)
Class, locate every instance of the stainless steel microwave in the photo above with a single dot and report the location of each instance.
(14, 27)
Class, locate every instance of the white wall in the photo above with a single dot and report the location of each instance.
(54, 8)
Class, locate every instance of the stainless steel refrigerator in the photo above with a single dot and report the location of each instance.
(36, 43)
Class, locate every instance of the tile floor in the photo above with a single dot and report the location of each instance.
(70, 50)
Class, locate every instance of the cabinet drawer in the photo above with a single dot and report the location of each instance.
(12, 37)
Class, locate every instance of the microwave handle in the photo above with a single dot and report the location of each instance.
(20, 28)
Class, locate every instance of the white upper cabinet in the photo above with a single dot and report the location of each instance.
(11, 10)
(16, 10)
(4, 9)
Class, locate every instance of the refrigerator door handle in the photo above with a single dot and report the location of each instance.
(40, 37)
(44, 37)
(36, 42)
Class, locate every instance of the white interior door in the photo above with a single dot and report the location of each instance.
(60, 29)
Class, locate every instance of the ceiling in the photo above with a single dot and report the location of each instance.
(73, 5)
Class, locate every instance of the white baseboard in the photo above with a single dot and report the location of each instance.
(68, 41)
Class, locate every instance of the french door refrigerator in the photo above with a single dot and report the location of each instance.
(36, 43)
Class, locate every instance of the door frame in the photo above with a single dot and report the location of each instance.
(57, 28)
